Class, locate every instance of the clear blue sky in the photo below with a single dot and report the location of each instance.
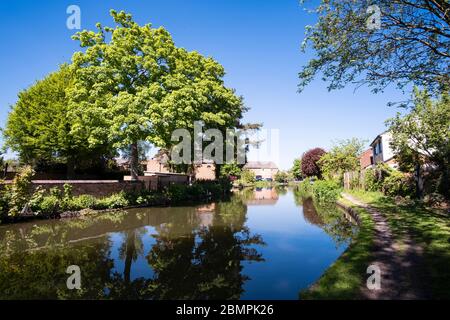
(258, 43)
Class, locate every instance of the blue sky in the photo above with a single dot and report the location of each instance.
(258, 43)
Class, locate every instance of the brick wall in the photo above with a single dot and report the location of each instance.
(98, 188)
(366, 159)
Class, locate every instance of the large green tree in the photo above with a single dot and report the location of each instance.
(397, 42)
(343, 156)
(132, 83)
(39, 128)
(422, 136)
(297, 169)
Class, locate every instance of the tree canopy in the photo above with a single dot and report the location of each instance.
(310, 162)
(410, 44)
(132, 83)
(423, 135)
(297, 169)
(39, 129)
(343, 156)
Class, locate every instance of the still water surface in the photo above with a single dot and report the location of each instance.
(261, 244)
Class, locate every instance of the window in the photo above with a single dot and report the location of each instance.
(377, 148)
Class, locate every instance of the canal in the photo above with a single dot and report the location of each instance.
(261, 244)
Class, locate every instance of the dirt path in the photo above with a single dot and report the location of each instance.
(401, 265)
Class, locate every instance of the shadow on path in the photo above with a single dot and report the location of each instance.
(401, 264)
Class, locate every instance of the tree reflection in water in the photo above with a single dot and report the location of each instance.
(328, 217)
(120, 285)
(205, 263)
(192, 253)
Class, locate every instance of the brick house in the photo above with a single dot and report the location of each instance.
(263, 170)
(205, 171)
(366, 159)
(159, 165)
(382, 151)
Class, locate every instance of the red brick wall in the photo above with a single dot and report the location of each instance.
(98, 188)
(364, 160)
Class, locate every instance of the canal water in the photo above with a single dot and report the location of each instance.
(260, 244)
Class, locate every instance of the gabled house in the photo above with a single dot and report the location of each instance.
(381, 150)
(263, 170)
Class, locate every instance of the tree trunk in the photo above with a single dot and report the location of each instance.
(70, 168)
(418, 179)
(130, 250)
(5, 171)
(134, 161)
(443, 184)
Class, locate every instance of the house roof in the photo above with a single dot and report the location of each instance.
(161, 158)
(377, 137)
(375, 140)
(121, 161)
(260, 165)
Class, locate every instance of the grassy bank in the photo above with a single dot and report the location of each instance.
(344, 277)
(429, 228)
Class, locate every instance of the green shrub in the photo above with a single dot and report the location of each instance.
(56, 200)
(83, 201)
(387, 180)
(56, 192)
(370, 180)
(20, 191)
(114, 201)
(67, 192)
(36, 199)
(248, 176)
(4, 204)
(397, 184)
(49, 205)
(305, 188)
(140, 200)
(177, 192)
(325, 191)
(281, 177)
(230, 169)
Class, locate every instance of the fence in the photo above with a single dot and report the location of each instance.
(354, 179)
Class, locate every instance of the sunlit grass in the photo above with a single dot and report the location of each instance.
(344, 278)
(429, 228)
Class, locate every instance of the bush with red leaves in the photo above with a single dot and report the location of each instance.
(310, 168)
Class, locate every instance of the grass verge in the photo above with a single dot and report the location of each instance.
(428, 228)
(344, 277)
